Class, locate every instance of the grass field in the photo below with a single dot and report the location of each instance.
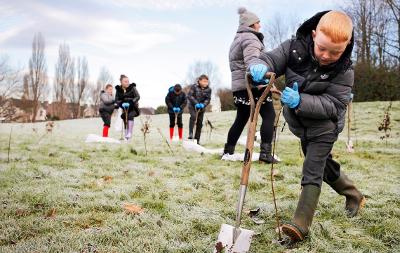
(59, 194)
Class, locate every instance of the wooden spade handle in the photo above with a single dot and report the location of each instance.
(252, 124)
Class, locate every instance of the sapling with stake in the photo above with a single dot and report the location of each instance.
(349, 143)
(385, 124)
(210, 127)
(166, 141)
(145, 130)
(9, 146)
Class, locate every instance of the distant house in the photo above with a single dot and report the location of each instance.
(147, 111)
(89, 111)
(20, 110)
(41, 114)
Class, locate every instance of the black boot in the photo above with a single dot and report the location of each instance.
(228, 149)
(354, 198)
(265, 153)
(298, 229)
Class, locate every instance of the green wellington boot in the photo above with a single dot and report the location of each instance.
(354, 198)
(297, 230)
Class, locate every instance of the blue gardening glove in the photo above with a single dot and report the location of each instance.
(125, 105)
(258, 71)
(176, 109)
(291, 96)
(198, 106)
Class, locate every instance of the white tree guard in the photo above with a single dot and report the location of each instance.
(96, 138)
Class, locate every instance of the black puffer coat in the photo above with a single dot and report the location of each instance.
(199, 95)
(174, 100)
(131, 96)
(325, 91)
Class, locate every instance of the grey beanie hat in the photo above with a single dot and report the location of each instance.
(246, 17)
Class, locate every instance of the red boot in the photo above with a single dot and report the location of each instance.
(171, 133)
(180, 132)
(105, 131)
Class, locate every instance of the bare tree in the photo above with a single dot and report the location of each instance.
(363, 14)
(377, 31)
(380, 35)
(279, 29)
(64, 78)
(104, 78)
(76, 90)
(203, 67)
(394, 43)
(37, 73)
(10, 85)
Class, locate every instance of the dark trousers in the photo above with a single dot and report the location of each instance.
(106, 117)
(318, 164)
(131, 115)
(173, 118)
(267, 113)
(199, 124)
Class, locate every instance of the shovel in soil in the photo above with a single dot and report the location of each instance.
(233, 238)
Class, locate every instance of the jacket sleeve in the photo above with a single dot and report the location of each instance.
(332, 103)
(137, 96)
(118, 98)
(208, 97)
(106, 99)
(191, 97)
(168, 101)
(251, 48)
(277, 59)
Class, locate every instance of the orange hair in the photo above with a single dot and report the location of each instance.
(337, 26)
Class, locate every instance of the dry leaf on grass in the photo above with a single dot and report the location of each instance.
(107, 178)
(133, 209)
(21, 212)
(51, 213)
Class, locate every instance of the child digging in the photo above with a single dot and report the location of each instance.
(176, 102)
(199, 97)
(245, 50)
(127, 98)
(107, 106)
(319, 78)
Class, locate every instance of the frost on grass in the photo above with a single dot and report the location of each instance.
(59, 194)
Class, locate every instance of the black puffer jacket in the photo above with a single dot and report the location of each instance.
(131, 96)
(174, 100)
(324, 90)
(199, 95)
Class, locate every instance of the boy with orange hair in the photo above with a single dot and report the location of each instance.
(319, 78)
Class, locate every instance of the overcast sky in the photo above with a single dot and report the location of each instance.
(153, 42)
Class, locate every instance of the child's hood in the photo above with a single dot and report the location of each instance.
(304, 33)
(247, 29)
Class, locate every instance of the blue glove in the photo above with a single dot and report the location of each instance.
(198, 106)
(125, 105)
(202, 106)
(171, 89)
(176, 109)
(258, 71)
(291, 97)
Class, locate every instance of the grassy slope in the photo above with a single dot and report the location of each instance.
(187, 196)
